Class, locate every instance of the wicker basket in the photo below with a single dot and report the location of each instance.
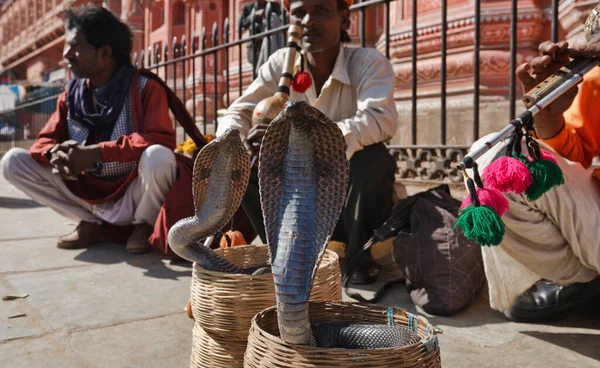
(212, 351)
(224, 304)
(266, 349)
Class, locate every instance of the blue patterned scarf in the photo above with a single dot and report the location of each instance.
(110, 97)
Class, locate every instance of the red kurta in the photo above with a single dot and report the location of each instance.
(152, 125)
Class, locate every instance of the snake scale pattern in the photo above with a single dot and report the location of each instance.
(220, 178)
(303, 178)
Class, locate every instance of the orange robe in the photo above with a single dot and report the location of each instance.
(579, 140)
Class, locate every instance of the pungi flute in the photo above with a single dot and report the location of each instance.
(536, 100)
(546, 92)
(267, 109)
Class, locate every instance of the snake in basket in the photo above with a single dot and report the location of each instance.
(303, 179)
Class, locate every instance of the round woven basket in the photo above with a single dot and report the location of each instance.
(266, 349)
(212, 351)
(225, 304)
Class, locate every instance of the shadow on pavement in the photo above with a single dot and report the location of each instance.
(581, 343)
(10, 202)
(478, 313)
(154, 264)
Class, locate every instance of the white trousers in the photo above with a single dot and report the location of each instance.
(556, 237)
(140, 204)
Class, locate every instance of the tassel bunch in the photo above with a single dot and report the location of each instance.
(514, 172)
(479, 215)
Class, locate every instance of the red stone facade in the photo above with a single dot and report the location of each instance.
(31, 41)
(534, 25)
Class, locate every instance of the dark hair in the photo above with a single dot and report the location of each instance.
(101, 27)
(344, 36)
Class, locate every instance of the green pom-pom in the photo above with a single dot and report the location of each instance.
(521, 158)
(481, 224)
(546, 175)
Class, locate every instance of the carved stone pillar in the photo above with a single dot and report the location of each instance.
(236, 53)
(132, 13)
(203, 15)
(147, 25)
(374, 24)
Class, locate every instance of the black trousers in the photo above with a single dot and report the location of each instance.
(368, 202)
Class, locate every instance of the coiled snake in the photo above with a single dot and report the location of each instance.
(303, 178)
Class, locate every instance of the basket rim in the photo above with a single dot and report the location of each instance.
(431, 332)
(333, 257)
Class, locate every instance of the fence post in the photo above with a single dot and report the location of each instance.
(204, 78)
(226, 41)
(165, 59)
(194, 48)
(215, 43)
(174, 55)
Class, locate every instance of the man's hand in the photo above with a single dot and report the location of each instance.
(255, 136)
(549, 121)
(70, 159)
(586, 49)
(59, 159)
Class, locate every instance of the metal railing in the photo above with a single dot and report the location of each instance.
(416, 161)
(432, 162)
(183, 55)
(19, 126)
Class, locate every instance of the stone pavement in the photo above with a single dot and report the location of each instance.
(102, 307)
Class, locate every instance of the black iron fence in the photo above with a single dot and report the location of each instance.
(20, 126)
(177, 63)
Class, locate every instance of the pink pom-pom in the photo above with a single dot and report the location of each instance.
(508, 174)
(491, 198)
(547, 156)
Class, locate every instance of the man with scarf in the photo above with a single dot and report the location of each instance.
(105, 157)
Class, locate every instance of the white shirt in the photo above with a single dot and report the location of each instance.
(358, 96)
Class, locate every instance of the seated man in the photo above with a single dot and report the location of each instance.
(106, 154)
(553, 243)
(354, 88)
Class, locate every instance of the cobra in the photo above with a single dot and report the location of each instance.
(220, 178)
(303, 178)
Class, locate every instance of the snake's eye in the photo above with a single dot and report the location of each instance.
(236, 175)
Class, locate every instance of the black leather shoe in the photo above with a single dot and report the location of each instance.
(547, 302)
(366, 274)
